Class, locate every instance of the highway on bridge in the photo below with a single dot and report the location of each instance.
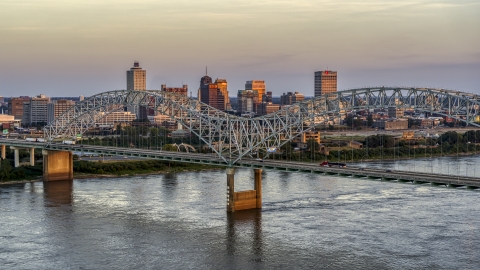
(268, 164)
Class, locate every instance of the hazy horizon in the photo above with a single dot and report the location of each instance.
(74, 48)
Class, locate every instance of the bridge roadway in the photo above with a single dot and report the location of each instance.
(281, 165)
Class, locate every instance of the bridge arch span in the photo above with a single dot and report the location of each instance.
(232, 137)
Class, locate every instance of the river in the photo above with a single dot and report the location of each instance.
(179, 221)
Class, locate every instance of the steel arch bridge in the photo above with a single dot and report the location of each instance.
(232, 137)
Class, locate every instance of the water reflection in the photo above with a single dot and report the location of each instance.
(240, 224)
(284, 179)
(58, 193)
(170, 180)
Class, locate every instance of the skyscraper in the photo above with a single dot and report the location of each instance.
(214, 94)
(325, 82)
(222, 86)
(136, 78)
(247, 101)
(258, 86)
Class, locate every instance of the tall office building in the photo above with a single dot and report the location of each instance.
(15, 107)
(247, 101)
(57, 107)
(222, 86)
(215, 93)
(267, 97)
(291, 98)
(203, 89)
(325, 82)
(137, 80)
(258, 86)
(35, 110)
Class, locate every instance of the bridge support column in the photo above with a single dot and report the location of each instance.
(32, 156)
(247, 199)
(57, 165)
(16, 157)
(230, 190)
(4, 151)
(258, 187)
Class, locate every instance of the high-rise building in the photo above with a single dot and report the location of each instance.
(15, 107)
(57, 107)
(35, 110)
(258, 86)
(325, 82)
(203, 89)
(222, 86)
(214, 94)
(291, 98)
(136, 78)
(267, 97)
(247, 101)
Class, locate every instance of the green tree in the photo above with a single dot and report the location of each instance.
(5, 170)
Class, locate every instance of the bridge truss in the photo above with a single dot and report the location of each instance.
(232, 137)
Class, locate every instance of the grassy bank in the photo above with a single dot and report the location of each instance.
(88, 169)
(84, 169)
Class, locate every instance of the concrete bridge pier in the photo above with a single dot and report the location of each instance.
(17, 156)
(243, 200)
(4, 151)
(32, 156)
(57, 165)
(230, 189)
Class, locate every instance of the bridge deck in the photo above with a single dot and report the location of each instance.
(388, 175)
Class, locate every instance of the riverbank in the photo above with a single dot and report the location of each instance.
(167, 170)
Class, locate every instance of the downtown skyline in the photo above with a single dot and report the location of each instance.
(85, 47)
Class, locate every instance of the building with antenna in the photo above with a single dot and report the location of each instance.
(215, 93)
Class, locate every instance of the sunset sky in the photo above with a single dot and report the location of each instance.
(72, 48)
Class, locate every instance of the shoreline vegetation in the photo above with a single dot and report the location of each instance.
(374, 148)
(92, 169)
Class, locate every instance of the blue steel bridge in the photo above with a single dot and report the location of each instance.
(233, 139)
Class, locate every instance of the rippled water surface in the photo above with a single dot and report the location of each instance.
(179, 221)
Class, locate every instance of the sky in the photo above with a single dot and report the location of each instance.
(72, 48)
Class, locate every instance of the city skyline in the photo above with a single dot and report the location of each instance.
(83, 48)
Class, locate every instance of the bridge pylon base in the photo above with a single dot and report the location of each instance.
(57, 165)
(247, 199)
